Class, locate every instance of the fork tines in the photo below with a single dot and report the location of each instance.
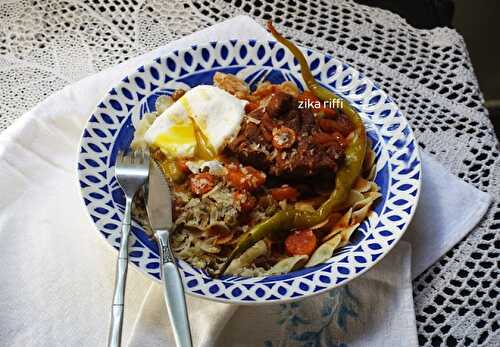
(135, 156)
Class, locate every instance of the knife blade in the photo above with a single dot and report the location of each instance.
(159, 200)
(159, 208)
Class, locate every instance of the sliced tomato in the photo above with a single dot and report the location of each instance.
(321, 138)
(251, 106)
(328, 112)
(236, 178)
(285, 193)
(201, 183)
(328, 125)
(254, 177)
(247, 202)
(340, 124)
(246, 178)
(301, 242)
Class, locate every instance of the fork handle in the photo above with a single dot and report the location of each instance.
(174, 292)
(115, 329)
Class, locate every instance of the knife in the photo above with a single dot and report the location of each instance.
(159, 208)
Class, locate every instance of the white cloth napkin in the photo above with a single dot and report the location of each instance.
(57, 274)
(374, 310)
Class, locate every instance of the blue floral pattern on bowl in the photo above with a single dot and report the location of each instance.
(111, 128)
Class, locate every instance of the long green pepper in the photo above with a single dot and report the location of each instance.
(291, 219)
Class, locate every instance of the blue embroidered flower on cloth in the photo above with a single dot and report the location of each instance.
(306, 327)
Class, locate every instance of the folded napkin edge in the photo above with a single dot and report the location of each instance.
(469, 222)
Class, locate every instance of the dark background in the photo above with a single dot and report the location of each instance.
(477, 21)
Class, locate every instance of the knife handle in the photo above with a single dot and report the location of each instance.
(174, 292)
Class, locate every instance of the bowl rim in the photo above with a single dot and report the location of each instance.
(307, 51)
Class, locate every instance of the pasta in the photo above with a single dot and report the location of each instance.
(283, 159)
(325, 251)
(287, 264)
(236, 266)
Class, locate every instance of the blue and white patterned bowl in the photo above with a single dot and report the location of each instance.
(111, 128)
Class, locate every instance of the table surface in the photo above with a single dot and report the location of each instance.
(45, 45)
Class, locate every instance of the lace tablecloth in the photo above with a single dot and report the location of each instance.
(45, 45)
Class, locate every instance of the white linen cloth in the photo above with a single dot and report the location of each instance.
(58, 275)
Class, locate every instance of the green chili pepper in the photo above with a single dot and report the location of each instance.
(291, 219)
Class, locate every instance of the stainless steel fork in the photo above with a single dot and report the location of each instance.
(131, 171)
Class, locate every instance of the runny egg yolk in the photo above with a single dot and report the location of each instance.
(204, 149)
(179, 135)
(198, 125)
(186, 134)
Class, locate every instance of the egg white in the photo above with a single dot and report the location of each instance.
(217, 114)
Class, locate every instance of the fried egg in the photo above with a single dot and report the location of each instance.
(198, 125)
